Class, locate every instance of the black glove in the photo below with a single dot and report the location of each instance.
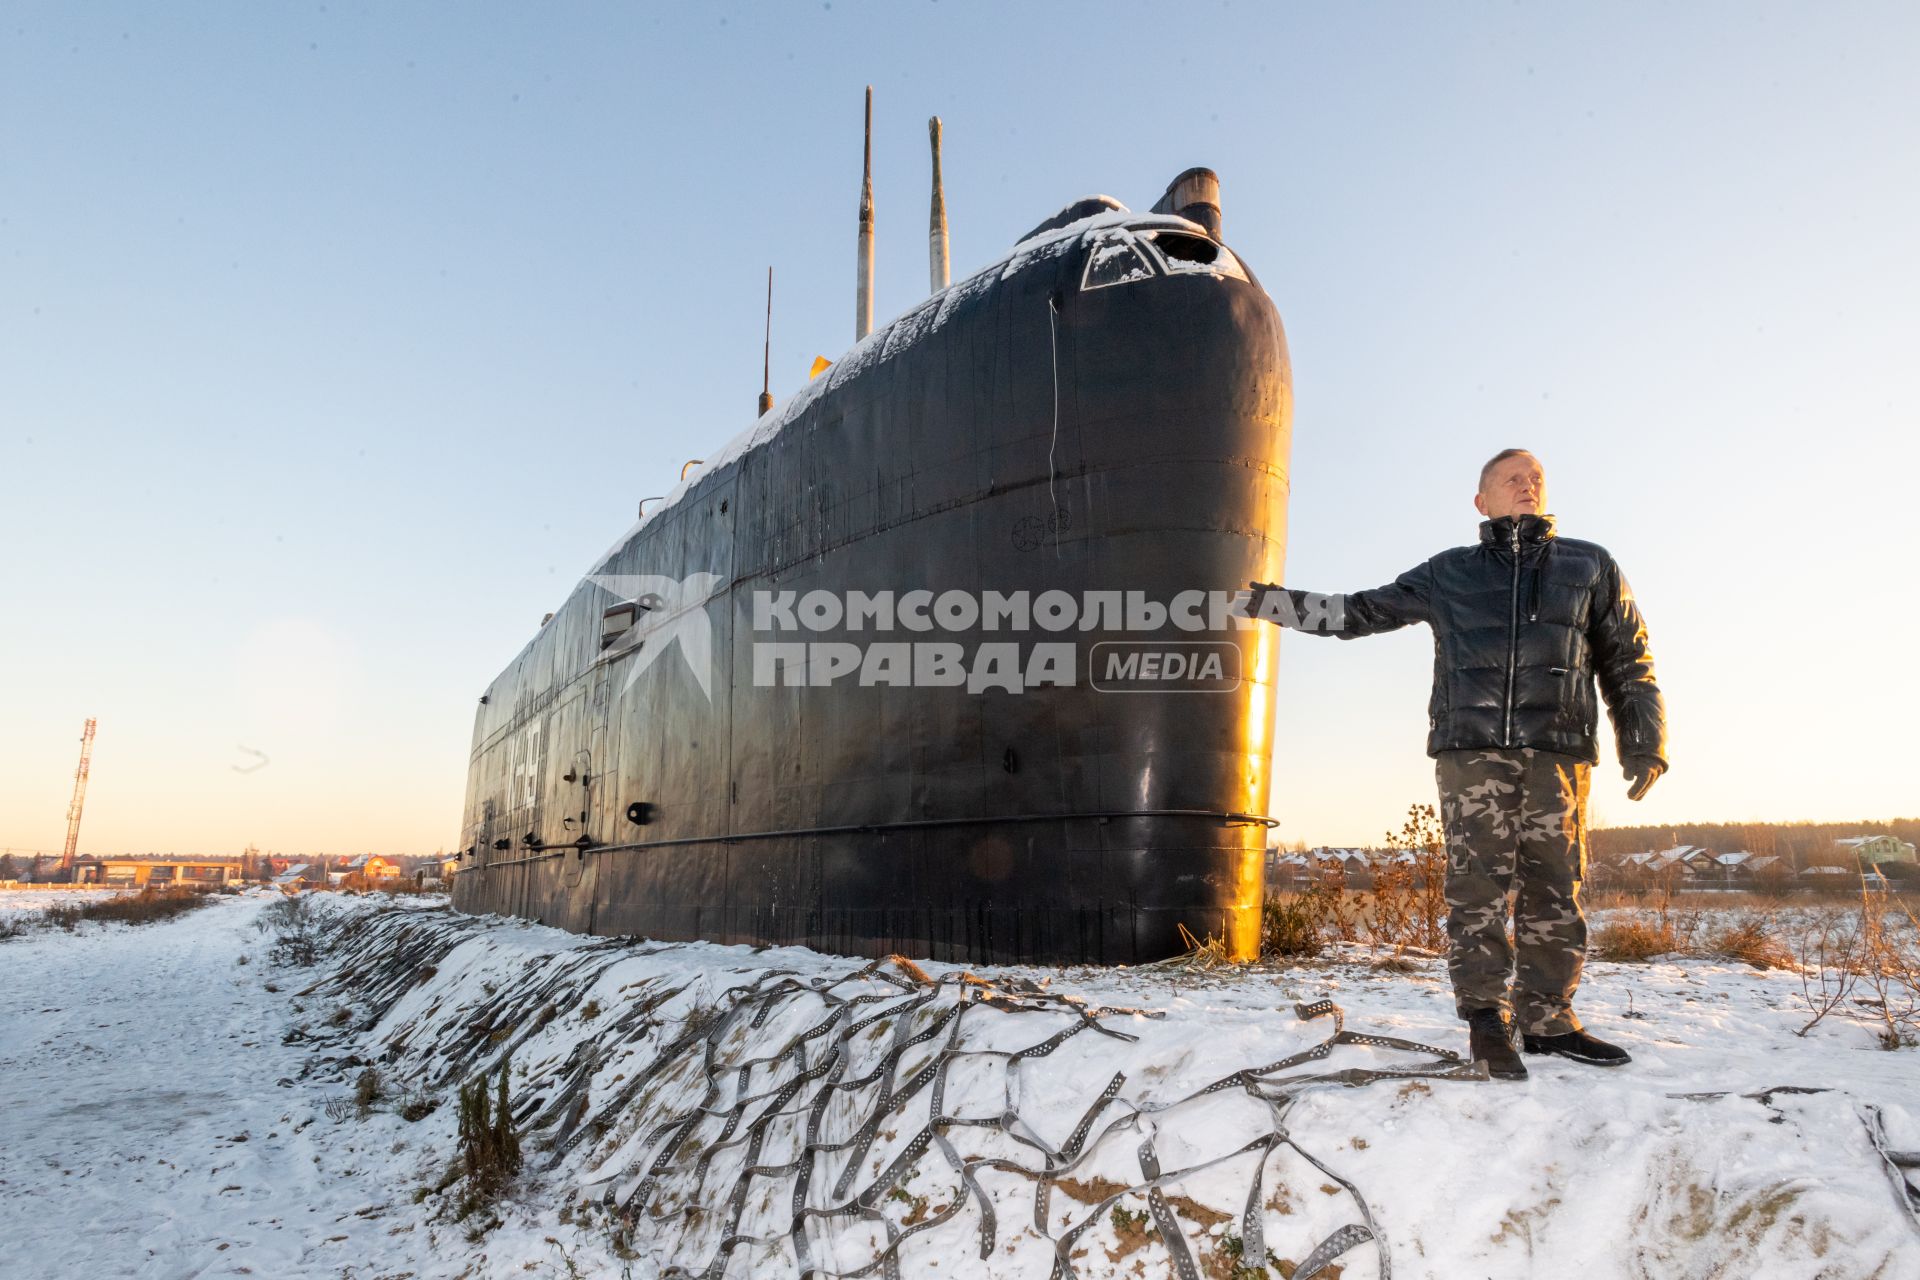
(1642, 772)
(1257, 596)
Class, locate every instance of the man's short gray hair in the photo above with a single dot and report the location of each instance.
(1499, 458)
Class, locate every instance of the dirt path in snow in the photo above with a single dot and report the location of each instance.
(143, 1131)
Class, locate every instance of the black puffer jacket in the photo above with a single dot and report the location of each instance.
(1522, 625)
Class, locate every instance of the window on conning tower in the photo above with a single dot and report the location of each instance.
(1115, 259)
(1183, 253)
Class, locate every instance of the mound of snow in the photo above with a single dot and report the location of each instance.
(730, 1111)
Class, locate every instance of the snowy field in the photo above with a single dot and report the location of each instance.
(22, 904)
(174, 1112)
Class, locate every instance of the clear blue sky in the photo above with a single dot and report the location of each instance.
(336, 341)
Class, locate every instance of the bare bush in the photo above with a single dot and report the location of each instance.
(1863, 965)
(297, 930)
(1409, 902)
(1828, 952)
(1405, 908)
(1890, 968)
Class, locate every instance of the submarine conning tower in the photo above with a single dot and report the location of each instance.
(932, 658)
(1195, 196)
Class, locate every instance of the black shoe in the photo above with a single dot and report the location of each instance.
(1579, 1046)
(1490, 1037)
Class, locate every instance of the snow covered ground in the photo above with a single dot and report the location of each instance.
(21, 904)
(172, 1112)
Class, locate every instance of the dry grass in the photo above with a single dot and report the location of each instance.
(1202, 954)
(489, 1144)
(1754, 940)
(1636, 939)
(149, 906)
(1698, 900)
(1639, 933)
(1405, 910)
(1292, 925)
(1409, 904)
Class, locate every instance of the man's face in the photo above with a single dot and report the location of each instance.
(1515, 487)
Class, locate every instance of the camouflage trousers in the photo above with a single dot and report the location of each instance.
(1516, 824)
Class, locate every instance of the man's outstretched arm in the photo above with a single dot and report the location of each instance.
(1402, 602)
(1624, 664)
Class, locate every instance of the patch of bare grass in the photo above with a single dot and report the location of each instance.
(1202, 954)
(1754, 940)
(1290, 926)
(1638, 934)
(149, 906)
(1636, 940)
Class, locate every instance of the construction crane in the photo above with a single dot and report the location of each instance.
(79, 796)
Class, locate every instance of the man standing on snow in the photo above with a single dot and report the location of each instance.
(1522, 624)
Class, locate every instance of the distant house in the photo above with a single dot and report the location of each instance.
(299, 876)
(1685, 859)
(1874, 850)
(1695, 859)
(1297, 870)
(1735, 867)
(373, 868)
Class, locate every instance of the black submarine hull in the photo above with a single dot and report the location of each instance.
(1019, 432)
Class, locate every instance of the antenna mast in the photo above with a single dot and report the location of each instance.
(766, 353)
(79, 796)
(863, 288)
(938, 272)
